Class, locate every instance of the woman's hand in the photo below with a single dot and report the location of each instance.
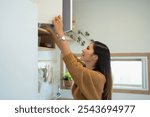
(58, 26)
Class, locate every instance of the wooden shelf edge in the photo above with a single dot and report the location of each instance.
(45, 49)
(42, 31)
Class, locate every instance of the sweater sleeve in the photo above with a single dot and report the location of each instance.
(91, 83)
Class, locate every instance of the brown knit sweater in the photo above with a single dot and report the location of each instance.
(88, 84)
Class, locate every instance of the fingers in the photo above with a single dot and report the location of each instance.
(58, 18)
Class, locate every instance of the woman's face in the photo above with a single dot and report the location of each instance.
(87, 53)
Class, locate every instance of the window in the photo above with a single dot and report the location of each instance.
(131, 72)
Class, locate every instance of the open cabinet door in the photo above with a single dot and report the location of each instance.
(67, 15)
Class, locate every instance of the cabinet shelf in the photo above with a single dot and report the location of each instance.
(44, 39)
(45, 49)
(42, 31)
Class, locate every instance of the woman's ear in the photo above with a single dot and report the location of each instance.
(95, 57)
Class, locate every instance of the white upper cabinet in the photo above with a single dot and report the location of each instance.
(47, 9)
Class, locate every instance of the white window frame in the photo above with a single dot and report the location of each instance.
(145, 59)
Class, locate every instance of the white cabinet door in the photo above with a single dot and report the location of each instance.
(47, 9)
(18, 50)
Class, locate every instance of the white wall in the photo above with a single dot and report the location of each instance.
(18, 49)
(121, 24)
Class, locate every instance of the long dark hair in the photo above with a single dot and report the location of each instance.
(103, 65)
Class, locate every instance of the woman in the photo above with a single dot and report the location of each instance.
(93, 82)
